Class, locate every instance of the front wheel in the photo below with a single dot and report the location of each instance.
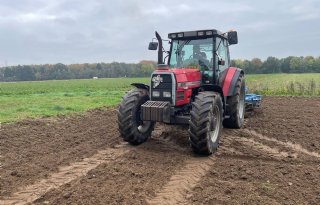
(132, 129)
(205, 123)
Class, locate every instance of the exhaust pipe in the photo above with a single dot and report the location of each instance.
(160, 53)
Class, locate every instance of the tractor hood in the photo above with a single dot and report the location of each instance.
(178, 81)
(183, 74)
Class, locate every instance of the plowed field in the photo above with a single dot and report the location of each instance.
(273, 159)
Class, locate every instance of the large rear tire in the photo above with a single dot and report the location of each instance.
(206, 122)
(236, 106)
(132, 129)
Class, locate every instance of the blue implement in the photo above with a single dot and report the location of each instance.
(252, 101)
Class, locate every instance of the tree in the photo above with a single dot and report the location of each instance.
(296, 64)
(285, 64)
(246, 66)
(99, 66)
(256, 65)
(9, 74)
(237, 63)
(308, 63)
(24, 73)
(271, 65)
(316, 65)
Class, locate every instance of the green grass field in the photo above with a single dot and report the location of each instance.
(47, 98)
(285, 84)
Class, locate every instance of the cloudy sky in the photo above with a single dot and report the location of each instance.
(79, 31)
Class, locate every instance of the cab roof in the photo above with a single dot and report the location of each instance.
(197, 33)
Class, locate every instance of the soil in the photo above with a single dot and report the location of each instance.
(80, 159)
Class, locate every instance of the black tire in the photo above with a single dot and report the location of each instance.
(132, 129)
(236, 106)
(205, 123)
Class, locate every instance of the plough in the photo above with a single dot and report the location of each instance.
(252, 101)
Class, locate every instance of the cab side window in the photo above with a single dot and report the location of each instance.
(222, 54)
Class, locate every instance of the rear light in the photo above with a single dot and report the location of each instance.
(173, 35)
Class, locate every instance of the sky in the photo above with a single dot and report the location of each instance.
(92, 31)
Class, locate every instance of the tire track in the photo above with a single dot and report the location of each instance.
(290, 145)
(175, 191)
(65, 175)
(273, 152)
(185, 180)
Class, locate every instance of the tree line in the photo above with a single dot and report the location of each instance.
(59, 71)
(291, 64)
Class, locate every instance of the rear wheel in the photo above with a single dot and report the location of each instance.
(236, 106)
(206, 122)
(132, 129)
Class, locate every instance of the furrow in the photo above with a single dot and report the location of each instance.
(65, 175)
(174, 192)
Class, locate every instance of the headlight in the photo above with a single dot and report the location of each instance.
(166, 94)
(155, 94)
(181, 84)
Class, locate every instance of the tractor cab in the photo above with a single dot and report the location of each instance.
(205, 50)
(196, 53)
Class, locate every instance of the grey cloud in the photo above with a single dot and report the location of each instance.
(71, 31)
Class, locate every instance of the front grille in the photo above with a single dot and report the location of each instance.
(166, 81)
(165, 86)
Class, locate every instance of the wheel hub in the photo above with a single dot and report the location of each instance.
(144, 126)
(241, 104)
(215, 122)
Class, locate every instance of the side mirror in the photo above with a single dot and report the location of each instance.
(232, 37)
(221, 62)
(153, 46)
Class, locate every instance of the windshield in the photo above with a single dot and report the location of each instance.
(192, 53)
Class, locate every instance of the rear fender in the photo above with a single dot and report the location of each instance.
(230, 81)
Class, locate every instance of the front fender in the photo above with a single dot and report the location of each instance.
(141, 86)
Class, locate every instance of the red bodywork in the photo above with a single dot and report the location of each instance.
(189, 78)
(186, 79)
(227, 80)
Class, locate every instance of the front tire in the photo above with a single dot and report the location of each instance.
(206, 122)
(132, 129)
(236, 106)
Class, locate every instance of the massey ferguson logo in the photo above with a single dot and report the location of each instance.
(156, 81)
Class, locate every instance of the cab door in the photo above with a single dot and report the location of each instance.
(222, 59)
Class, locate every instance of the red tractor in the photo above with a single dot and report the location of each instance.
(197, 86)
